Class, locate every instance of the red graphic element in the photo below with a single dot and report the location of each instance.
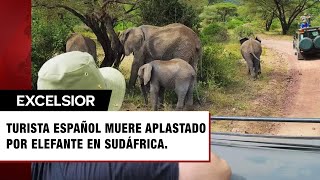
(15, 44)
(15, 64)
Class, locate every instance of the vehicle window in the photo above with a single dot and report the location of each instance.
(312, 34)
(315, 33)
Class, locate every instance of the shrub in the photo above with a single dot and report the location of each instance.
(275, 25)
(244, 31)
(293, 28)
(48, 38)
(214, 33)
(234, 23)
(218, 67)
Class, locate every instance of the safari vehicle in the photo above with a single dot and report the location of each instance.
(266, 157)
(306, 41)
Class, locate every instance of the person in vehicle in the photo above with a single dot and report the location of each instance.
(304, 24)
(77, 70)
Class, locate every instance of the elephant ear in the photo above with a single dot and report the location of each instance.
(258, 39)
(124, 35)
(142, 38)
(243, 40)
(147, 69)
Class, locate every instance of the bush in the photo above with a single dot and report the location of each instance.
(218, 66)
(234, 23)
(244, 31)
(48, 38)
(293, 28)
(214, 33)
(275, 25)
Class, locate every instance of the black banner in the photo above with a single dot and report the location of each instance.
(54, 100)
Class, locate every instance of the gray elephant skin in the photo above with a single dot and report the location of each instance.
(78, 42)
(148, 43)
(251, 51)
(175, 74)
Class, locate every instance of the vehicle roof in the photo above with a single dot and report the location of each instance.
(310, 28)
(254, 157)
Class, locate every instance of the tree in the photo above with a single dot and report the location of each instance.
(101, 16)
(195, 4)
(285, 10)
(218, 12)
(268, 17)
(215, 1)
(163, 12)
(225, 9)
(260, 13)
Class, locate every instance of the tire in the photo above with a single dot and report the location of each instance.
(316, 42)
(306, 44)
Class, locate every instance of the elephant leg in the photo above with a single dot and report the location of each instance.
(251, 67)
(181, 91)
(161, 97)
(189, 99)
(154, 93)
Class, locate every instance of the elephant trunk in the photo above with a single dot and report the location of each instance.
(134, 72)
(133, 78)
(121, 56)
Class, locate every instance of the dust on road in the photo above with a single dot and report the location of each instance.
(303, 97)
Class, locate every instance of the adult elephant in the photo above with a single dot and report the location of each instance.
(78, 42)
(148, 43)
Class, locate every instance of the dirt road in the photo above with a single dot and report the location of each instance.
(303, 97)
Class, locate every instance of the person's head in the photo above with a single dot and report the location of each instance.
(78, 71)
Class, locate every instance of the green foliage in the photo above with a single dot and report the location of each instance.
(214, 33)
(244, 31)
(195, 4)
(275, 25)
(163, 12)
(220, 12)
(124, 25)
(219, 67)
(224, 10)
(234, 23)
(215, 1)
(293, 28)
(208, 15)
(49, 35)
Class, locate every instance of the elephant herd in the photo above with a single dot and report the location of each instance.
(166, 57)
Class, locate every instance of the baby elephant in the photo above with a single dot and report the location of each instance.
(174, 74)
(251, 51)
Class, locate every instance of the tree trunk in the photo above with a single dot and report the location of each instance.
(268, 24)
(285, 30)
(269, 21)
(116, 46)
(284, 25)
